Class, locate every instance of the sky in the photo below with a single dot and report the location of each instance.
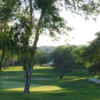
(83, 32)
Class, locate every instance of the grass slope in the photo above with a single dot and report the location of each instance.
(74, 87)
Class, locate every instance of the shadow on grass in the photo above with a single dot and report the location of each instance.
(76, 84)
(37, 73)
(12, 73)
(74, 87)
(53, 95)
(43, 73)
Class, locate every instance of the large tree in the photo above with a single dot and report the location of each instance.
(80, 64)
(91, 55)
(63, 60)
(7, 9)
(29, 25)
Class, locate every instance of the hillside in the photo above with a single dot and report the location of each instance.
(51, 48)
(46, 48)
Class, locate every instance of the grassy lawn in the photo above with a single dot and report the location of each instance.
(74, 87)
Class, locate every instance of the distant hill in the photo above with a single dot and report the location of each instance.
(46, 48)
(78, 45)
(51, 48)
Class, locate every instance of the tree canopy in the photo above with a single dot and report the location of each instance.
(63, 60)
(91, 54)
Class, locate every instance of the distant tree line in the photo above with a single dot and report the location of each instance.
(68, 59)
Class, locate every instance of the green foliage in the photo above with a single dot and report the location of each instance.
(7, 11)
(91, 54)
(67, 59)
(94, 69)
(41, 57)
(77, 52)
(9, 57)
(63, 60)
(86, 8)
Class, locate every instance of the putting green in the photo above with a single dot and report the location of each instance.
(19, 86)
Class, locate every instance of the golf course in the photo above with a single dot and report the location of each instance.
(46, 85)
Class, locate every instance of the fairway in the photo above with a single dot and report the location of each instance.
(74, 87)
(18, 86)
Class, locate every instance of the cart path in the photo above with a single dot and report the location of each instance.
(94, 80)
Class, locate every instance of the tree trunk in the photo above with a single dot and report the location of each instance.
(29, 69)
(28, 79)
(60, 75)
(27, 83)
(2, 57)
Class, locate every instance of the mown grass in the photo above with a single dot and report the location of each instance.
(74, 87)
